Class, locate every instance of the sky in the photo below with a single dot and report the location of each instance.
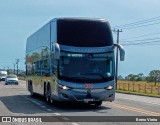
(20, 18)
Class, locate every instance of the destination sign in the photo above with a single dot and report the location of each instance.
(87, 49)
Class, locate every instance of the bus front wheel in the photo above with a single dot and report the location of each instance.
(31, 89)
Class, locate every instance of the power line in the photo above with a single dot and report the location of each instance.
(138, 24)
(17, 61)
(141, 36)
(129, 41)
(141, 43)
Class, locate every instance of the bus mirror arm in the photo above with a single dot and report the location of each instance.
(121, 50)
(56, 51)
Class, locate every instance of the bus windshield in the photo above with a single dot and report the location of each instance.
(76, 67)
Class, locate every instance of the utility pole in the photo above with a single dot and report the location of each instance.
(8, 70)
(14, 67)
(116, 78)
(17, 61)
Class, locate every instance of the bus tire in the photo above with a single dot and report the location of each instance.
(44, 91)
(31, 89)
(48, 94)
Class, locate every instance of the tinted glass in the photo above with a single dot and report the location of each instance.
(86, 67)
(84, 33)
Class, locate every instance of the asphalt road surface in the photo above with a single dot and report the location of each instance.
(16, 103)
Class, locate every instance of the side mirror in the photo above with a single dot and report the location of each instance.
(121, 50)
(56, 51)
(52, 48)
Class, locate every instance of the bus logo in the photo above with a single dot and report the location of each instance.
(88, 85)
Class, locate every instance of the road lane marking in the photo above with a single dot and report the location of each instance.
(75, 123)
(66, 119)
(28, 98)
(50, 110)
(57, 114)
(43, 106)
(135, 109)
(38, 103)
(138, 110)
(33, 101)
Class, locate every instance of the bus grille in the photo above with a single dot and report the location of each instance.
(92, 90)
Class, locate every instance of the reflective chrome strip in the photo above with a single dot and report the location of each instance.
(92, 90)
(87, 49)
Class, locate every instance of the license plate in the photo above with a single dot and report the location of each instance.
(88, 100)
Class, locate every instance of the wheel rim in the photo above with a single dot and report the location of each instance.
(48, 97)
(51, 101)
(48, 94)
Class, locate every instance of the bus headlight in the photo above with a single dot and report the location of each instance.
(109, 87)
(64, 87)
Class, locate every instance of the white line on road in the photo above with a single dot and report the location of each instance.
(66, 119)
(57, 114)
(28, 98)
(43, 106)
(50, 110)
(33, 101)
(75, 123)
(38, 103)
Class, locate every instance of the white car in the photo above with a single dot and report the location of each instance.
(11, 79)
(3, 75)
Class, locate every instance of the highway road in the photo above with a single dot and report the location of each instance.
(15, 101)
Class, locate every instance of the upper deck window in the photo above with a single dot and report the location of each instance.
(84, 33)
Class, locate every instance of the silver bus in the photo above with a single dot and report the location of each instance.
(72, 59)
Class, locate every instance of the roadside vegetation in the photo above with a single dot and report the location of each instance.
(140, 84)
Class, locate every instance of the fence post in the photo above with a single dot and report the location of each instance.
(158, 90)
(133, 86)
(145, 88)
(128, 86)
(123, 87)
(139, 88)
(151, 89)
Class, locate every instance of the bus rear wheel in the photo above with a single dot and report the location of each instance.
(48, 94)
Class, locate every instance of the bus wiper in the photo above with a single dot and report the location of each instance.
(99, 74)
(79, 78)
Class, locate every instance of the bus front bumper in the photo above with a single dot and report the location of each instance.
(84, 96)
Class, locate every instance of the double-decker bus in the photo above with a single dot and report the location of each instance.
(72, 59)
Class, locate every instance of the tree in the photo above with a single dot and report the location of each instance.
(140, 77)
(154, 76)
(120, 77)
(132, 77)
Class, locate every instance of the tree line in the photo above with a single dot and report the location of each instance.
(153, 76)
